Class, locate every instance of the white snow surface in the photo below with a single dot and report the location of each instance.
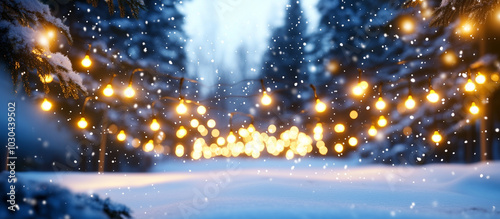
(306, 188)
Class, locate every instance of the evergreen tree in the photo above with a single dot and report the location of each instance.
(393, 57)
(283, 67)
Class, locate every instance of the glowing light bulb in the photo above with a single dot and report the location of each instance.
(251, 128)
(480, 78)
(43, 40)
(320, 106)
(382, 121)
(372, 131)
(364, 85)
(129, 92)
(211, 123)
(201, 110)
(179, 150)
(181, 133)
(470, 86)
(231, 138)
(266, 99)
(467, 27)
(433, 97)
(436, 137)
(338, 148)
(121, 136)
(149, 146)
(83, 123)
(46, 78)
(353, 141)
(86, 62)
(449, 58)
(408, 25)
(339, 128)
(410, 103)
(46, 105)
(155, 126)
(357, 90)
(108, 91)
(474, 109)
(181, 108)
(318, 129)
(380, 105)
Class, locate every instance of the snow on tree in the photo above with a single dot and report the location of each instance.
(152, 46)
(29, 29)
(396, 53)
(283, 67)
(450, 10)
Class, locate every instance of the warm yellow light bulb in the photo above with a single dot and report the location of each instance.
(339, 128)
(410, 103)
(108, 91)
(46, 105)
(382, 121)
(266, 99)
(181, 108)
(318, 129)
(436, 137)
(179, 150)
(408, 25)
(155, 126)
(46, 78)
(181, 133)
(353, 141)
(470, 86)
(357, 90)
(380, 105)
(473, 108)
(450, 58)
(251, 128)
(320, 106)
(83, 123)
(372, 131)
(121, 136)
(338, 148)
(480, 78)
(231, 138)
(433, 97)
(86, 62)
(364, 85)
(129, 92)
(149, 146)
(467, 27)
(201, 110)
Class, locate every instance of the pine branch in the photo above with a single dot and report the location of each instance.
(474, 11)
(134, 5)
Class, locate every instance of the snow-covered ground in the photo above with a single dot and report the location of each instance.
(308, 188)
